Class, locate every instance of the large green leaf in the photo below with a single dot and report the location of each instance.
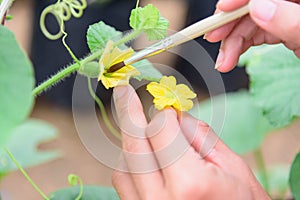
(294, 179)
(244, 126)
(99, 33)
(23, 142)
(89, 193)
(16, 84)
(147, 70)
(149, 20)
(275, 82)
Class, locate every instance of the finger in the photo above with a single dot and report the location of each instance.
(137, 151)
(123, 183)
(232, 46)
(208, 144)
(221, 32)
(230, 5)
(171, 148)
(281, 18)
(124, 186)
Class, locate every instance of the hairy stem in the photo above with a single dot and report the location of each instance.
(103, 111)
(76, 66)
(261, 166)
(26, 175)
(65, 72)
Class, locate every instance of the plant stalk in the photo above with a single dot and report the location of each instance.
(103, 111)
(26, 175)
(261, 167)
(63, 73)
(76, 66)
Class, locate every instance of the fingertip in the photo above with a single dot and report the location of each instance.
(119, 92)
(230, 5)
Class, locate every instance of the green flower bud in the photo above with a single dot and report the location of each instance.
(91, 69)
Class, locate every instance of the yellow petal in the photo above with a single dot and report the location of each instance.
(113, 55)
(156, 90)
(161, 103)
(119, 77)
(168, 81)
(183, 90)
(183, 104)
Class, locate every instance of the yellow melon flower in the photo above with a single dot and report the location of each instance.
(167, 94)
(111, 56)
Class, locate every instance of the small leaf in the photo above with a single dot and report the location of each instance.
(98, 35)
(274, 74)
(294, 179)
(89, 193)
(147, 71)
(16, 84)
(148, 19)
(242, 131)
(23, 142)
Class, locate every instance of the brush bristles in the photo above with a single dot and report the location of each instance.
(116, 67)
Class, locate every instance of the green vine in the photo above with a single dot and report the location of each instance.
(62, 10)
(75, 180)
(261, 166)
(26, 175)
(76, 66)
(103, 111)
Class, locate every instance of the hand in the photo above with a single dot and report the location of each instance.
(161, 160)
(270, 21)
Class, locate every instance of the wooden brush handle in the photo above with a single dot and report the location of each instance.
(207, 25)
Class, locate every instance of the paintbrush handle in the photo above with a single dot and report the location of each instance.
(208, 24)
(189, 33)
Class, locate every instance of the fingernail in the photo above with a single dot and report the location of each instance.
(263, 9)
(119, 92)
(205, 36)
(219, 3)
(220, 59)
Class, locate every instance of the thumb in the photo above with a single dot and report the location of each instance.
(278, 17)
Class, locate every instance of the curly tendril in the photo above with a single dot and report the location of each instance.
(62, 10)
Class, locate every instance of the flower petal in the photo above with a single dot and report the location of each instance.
(168, 81)
(183, 90)
(183, 104)
(161, 103)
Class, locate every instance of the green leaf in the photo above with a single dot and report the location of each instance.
(149, 20)
(277, 180)
(274, 73)
(147, 70)
(89, 193)
(23, 142)
(242, 131)
(16, 84)
(294, 179)
(99, 33)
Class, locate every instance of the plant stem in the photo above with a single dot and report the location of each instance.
(65, 72)
(261, 166)
(103, 111)
(74, 67)
(26, 175)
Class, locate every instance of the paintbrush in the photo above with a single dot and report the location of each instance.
(189, 33)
